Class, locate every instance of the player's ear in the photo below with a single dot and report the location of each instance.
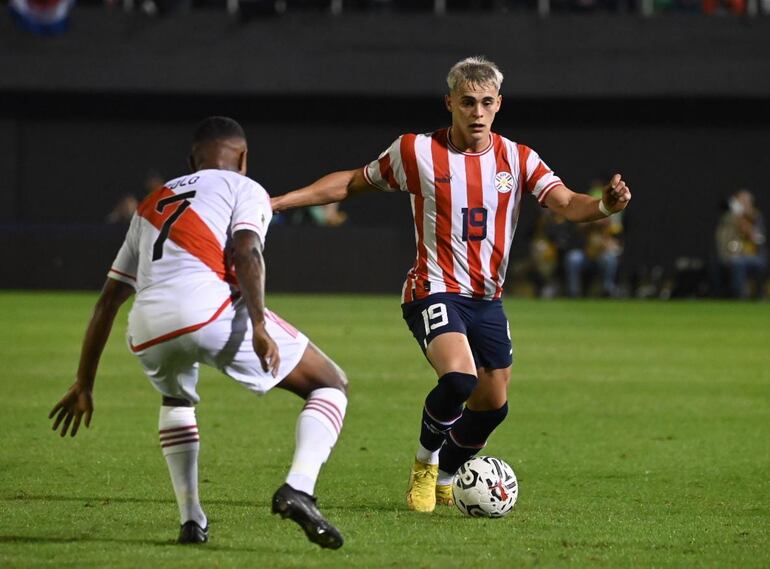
(242, 162)
(448, 102)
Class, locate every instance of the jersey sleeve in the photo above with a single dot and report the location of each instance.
(538, 178)
(387, 172)
(126, 264)
(252, 210)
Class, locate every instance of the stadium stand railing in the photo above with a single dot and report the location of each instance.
(544, 8)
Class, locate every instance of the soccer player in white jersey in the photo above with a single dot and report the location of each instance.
(193, 256)
(465, 184)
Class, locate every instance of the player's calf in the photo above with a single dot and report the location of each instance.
(467, 437)
(443, 406)
(180, 443)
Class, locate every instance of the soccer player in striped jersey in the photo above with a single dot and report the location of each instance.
(193, 256)
(465, 184)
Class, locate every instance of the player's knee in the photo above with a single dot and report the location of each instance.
(340, 380)
(334, 378)
(460, 384)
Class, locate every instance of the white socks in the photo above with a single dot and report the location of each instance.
(318, 427)
(427, 456)
(444, 478)
(179, 442)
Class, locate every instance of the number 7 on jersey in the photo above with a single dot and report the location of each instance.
(157, 248)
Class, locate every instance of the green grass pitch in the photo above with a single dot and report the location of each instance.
(639, 432)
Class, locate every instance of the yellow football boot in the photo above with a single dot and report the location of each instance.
(444, 495)
(421, 495)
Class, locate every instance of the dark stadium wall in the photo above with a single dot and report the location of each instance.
(676, 104)
(70, 170)
(206, 52)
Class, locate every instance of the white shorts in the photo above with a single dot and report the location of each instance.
(225, 344)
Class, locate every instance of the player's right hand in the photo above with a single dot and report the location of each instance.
(267, 350)
(76, 404)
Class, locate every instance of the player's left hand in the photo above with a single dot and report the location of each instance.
(616, 194)
(267, 350)
(76, 404)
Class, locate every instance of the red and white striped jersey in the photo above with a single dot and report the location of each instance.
(175, 251)
(465, 205)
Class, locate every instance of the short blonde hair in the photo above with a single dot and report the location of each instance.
(476, 71)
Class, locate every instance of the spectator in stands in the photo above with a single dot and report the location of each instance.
(45, 17)
(123, 210)
(153, 181)
(544, 255)
(724, 7)
(741, 239)
(599, 253)
(328, 215)
(128, 203)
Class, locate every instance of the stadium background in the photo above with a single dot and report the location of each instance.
(638, 430)
(676, 103)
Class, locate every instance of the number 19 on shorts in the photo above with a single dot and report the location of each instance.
(435, 316)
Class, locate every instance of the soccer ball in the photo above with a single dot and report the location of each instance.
(485, 487)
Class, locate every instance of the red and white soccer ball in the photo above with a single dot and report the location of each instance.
(485, 487)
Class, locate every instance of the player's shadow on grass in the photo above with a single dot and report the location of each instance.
(25, 539)
(93, 501)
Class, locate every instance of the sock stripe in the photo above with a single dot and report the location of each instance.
(175, 429)
(171, 437)
(448, 422)
(329, 407)
(194, 439)
(333, 419)
(177, 437)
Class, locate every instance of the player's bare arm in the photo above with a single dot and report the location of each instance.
(331, 188)
(250, 270)
(77, 404)
(580, 207)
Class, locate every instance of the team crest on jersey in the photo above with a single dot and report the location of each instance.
(503, 182)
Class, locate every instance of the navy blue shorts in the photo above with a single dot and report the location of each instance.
(482, 321)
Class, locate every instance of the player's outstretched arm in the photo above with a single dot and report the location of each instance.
(333, 187)
(580, 207)
(250, 270)
(77, 403)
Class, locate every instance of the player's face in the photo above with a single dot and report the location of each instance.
(473, 109)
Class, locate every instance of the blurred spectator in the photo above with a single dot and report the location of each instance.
(600, 252)
(545, 257)
(328, 215)
(153, 181)
(724, 7)
(128, 203)
(741, 240)
(45, 17)
(123, 210)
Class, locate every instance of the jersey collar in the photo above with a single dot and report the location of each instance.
(453, 147)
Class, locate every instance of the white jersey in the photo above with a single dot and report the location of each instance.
(176, 252)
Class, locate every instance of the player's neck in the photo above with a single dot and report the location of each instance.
(217, 165)
(469, 144)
